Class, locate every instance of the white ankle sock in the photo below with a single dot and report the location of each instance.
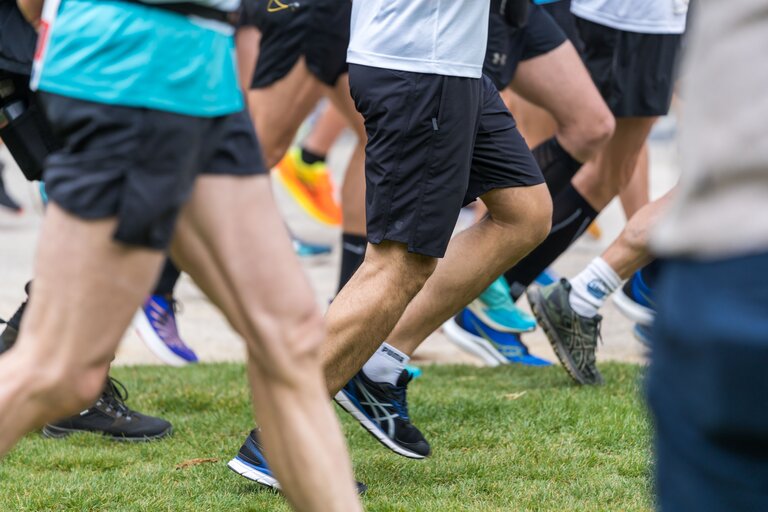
(386, 364)
(591, 288)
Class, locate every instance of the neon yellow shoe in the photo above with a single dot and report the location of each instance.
(310, 186)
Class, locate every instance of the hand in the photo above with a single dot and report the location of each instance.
(32, 11)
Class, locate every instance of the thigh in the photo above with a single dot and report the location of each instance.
(501, 158)
(279, 109)
(558, 82)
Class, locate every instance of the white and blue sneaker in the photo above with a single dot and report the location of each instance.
(494, 347)
(251, 464)
(382, 409)
(635, 300)
(495, 308)
(155, 323)
(643, 334)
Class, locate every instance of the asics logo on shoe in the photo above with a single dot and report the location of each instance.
(506, 350)
(396, 357)
(379, 410)
(597, 289)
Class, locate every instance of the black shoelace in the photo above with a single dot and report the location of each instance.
(114, 396)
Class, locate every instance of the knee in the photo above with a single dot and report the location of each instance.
(288, 344)
(540, 221)
(593, 133)
(274, 150)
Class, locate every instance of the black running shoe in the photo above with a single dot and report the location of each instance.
(250, 463)
(110, 417)
(7, 201)
(11, 331)
(382, 409)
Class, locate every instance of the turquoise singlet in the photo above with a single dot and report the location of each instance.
(121, 53)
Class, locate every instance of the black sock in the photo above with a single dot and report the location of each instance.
(310, 157)
(352, 254)
(571, 217)
(557, 165)
(10, 333)
(168, 278)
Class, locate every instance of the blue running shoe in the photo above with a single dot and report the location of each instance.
(415, 371)
(305, 249)
(635, 300)
(155, 323)
(643, 334)
(382, 409)
(496, 309)
(547, 277)
(251, 464)
(469, 332)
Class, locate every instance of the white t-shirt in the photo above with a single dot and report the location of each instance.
(443, 37)
(643, 16)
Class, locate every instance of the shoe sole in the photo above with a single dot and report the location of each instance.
(632, 310)
(475, 345)
(144, 331)
(52, 432)
(534, 299)
(495, 325)
(346, 404)
(253, 474)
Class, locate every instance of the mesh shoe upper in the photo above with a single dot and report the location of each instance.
(573, 337)
(387, 406)
(112, 417)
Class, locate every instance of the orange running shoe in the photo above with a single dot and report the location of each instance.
(595, 231)
(310, 186)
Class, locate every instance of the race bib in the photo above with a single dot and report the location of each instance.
(47, 20)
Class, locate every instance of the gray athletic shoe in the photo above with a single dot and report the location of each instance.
(572, 336)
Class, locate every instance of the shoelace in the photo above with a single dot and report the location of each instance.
(114, 396)
(399, 398)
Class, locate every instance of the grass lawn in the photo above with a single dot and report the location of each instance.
(503, 439)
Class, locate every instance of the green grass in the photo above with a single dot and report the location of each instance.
(503, 439)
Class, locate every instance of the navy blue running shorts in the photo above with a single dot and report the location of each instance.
(508, 46)
(139, 165)
(435, 144)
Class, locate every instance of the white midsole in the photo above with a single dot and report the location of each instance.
(633, 310)
(147, 334)
(368, 425)
(248, 472)
(475, 345)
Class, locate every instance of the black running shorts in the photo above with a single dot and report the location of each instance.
(635, 73)
(435, 144)
(317, 30)
(560, 10)
(507, 46)
(139, 165)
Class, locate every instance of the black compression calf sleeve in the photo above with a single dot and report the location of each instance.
(352, 255)
(571, 217)
(168, 278)
(557, 165)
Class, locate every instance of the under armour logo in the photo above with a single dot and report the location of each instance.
(499, 59)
